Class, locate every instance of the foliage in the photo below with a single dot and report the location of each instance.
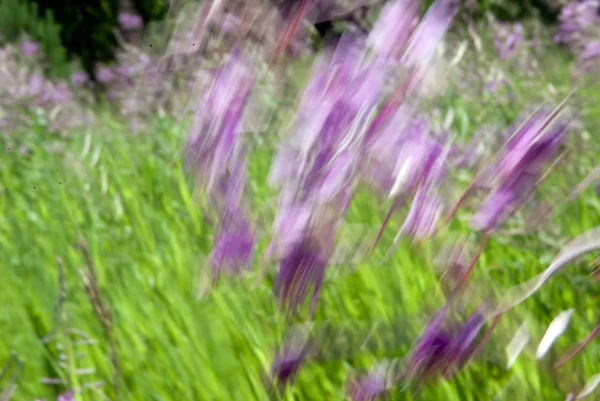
(511, 10)
(151, 10)
(87, 28)
(18, 17)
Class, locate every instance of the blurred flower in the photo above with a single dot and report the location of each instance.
(66, 397)
(434, 25)
(79, 78)
(287, 363)
(444, 346)
(61, 94)
(105, 75)
(393, 29)
(518, 169)
(234, 244)
(376, 383)
(508, 39)
(214, 146)
(303, 266)
(575, 19)
(129, 21)
(30, 48)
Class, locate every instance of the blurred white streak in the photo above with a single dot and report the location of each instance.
(579, 246)
(589, 387)
(517, 345)
(459, 53)
(555, 330)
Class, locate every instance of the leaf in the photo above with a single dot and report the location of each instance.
(590, 386)
(555, 330)
(581, 245)
(517, 345)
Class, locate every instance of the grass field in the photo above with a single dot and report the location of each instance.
(129, 198)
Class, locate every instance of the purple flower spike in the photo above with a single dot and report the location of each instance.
(494, 210)
(130, 22)
(214, 148)
(377, 383)
(302, 267)
(575, 19)
(234, 245)
(391, 32)
(30, 48)
(287, 363)
(79, 79)
(105, 75)
(508, 41)
(433, 27)
(423, 216)
(531, 147)
(519, 167)
(444, 346)
(66, 397)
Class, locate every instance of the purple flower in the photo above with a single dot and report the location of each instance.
(105, 75)
(590, 55)
(533, 144)
(66, 397)
(508, 40)
(288, 362)
(234, 245)
(513, 178)
(391, 32)
(79, 78)
(575, 19)
(423, 216)
(30, 48)
(431, 30)
(494, 210)
(371, 386)
(214, 148)
(130, 22)
(230, 24)
(445, 346)
(61, 94)
(300, 268)
(36, 85)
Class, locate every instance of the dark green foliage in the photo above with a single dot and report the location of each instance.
(511, 10)
(87, 28)
(151, 10)
(18, 17)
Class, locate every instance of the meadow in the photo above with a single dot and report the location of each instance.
(104, 220)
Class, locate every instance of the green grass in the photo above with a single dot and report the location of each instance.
(128, 197)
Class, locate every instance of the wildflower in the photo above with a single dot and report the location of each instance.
(234, 244)
(376, 383)
(66, 397)
(303, 266)
(105, 75)
(434, 25)
(518, 169)
(445, 347)
(30, 48)
(288, 362)
(214, 146)
(129, 21)
(393, 29)
(508, 40)
(575, 19)
(79, 78)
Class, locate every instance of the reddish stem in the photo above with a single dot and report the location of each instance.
(595, 333)
(283, 42)
(386, 221)
(471, 267)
